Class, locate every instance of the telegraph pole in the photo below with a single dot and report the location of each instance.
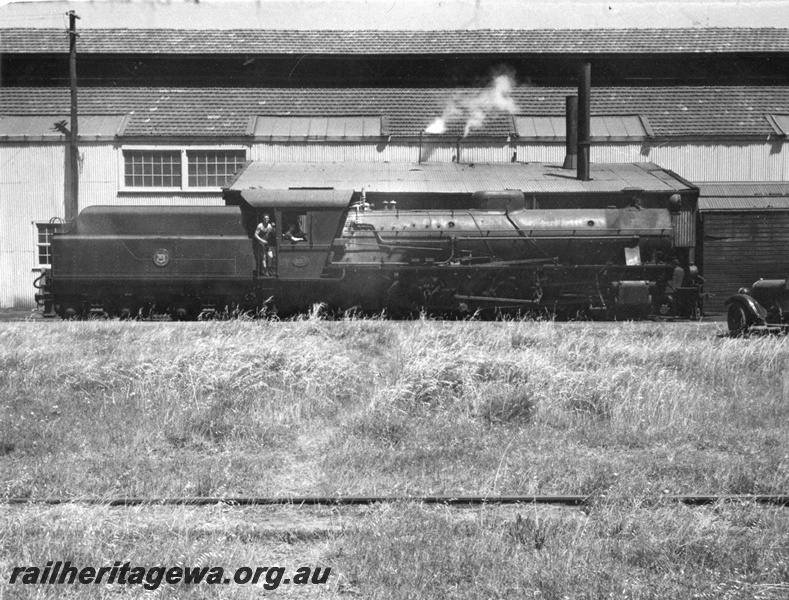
(72, 199)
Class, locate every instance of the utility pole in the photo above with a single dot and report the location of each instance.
(72, 197)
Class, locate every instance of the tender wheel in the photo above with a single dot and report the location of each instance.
(738, 320)
(125, 308)
(70, 310)
(185, 309)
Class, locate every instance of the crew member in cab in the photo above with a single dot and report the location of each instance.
(294, 234)
(265, 241)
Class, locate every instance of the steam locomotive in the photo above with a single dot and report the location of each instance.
(496, 254)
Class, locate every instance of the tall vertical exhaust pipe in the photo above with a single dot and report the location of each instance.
(571, 133)
(584, 119)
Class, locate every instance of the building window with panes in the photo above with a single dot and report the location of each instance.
(152, 168)
(44, 233)
(180, 169)
(213, 168)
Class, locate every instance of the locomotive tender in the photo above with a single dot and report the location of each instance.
(490, 251)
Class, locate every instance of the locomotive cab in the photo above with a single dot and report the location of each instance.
(307, 223)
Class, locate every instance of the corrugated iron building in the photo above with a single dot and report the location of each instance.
(746, 236)
(142, 143)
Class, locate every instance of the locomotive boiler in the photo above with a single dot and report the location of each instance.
(493, 254)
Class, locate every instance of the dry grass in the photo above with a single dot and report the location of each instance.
(614, 551)
(624, 412)
(167, 537)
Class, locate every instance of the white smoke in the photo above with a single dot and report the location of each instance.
(451, 111)
(497, 96)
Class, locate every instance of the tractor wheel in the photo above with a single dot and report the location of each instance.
(738, 320)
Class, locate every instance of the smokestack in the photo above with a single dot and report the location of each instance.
(584, 119)
(571, 132)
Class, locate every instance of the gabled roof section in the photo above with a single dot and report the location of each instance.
(672, 112)
(400, 43)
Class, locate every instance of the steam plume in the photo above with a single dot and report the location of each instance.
(496, 97)
(451, 111)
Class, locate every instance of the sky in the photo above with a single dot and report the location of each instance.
(397, 14)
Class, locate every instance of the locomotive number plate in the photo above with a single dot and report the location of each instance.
(161, 257)
(300, 262)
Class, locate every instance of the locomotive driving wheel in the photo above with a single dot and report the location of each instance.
(404, 299)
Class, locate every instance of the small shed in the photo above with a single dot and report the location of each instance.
(746, 236)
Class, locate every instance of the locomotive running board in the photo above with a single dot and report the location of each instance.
(444, 266)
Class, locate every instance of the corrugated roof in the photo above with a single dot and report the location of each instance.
(377, 42)
(459, 178)
(226, 112)
(52, 127)
(743, 189)
(728, 203)
(602, 127)
(318, 127)
(743, 196)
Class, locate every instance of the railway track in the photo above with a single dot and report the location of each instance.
(297, 501)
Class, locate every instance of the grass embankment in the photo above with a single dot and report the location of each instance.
(623, 412)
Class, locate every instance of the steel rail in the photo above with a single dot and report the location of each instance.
(573, 500)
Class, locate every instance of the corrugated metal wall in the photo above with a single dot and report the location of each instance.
(98, 175)
(706, 162)
(384, 152)
(694, 161)
(683, 224)
(290, 152)
(741, 247)
(31, 189)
